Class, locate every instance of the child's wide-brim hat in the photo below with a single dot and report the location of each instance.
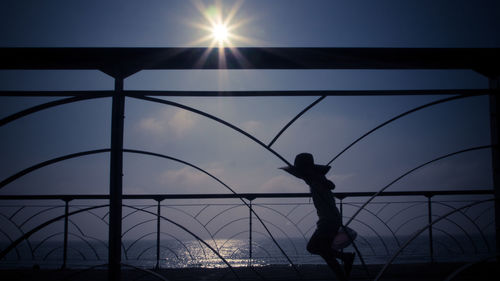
(304, 164)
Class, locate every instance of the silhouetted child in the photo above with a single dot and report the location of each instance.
(329, 220)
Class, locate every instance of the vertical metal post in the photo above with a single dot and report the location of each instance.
(250, 234)
(115, 183)
(65, 246)
(341, 208)
(429, 218)
(495, 153)
(158, 214)
(341, 211)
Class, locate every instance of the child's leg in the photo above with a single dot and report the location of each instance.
(335, 266)
(320, 244)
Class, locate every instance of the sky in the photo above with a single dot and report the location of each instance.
(246, 167)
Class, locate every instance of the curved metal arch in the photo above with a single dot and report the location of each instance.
(218, 120)
(305, 216)
(47, 105)
(468, 265)
(85, 235)
(377, 217)
(16, 212)
(444, 246)
(229, 188)
(397, 117)
(201, 210)
(86, 242)
(10, 240)
(137, 224)
(199, 222)
(43, 225)
(61, 247)
(39, 213)
(367, 243)
(222, 212)
(383, 208)
(180, 242)
(406, 209)
(284, 216)
(234, 252)
(470, 220)
(192, 234)
(69, 233)
(133, 212)
(417, 233)
(148, 207)
(14, 177)
(448, 220)
(154, 246)
(293, 209)
(295, 119)
(413, 170)
(137, 240)
(376, 233)
(79, 154)
(231, 238)
(451, 237)
(354, 243)
(424, 216)
(482, 213)
(254, 243)
(284, 233)
(263, 249)
(169, 235)
(229, 223)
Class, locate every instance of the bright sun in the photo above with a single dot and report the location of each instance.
(220, 33)
(222, 25)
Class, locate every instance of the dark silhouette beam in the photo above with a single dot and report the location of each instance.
(123, 62)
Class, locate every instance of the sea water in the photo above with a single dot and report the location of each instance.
(216, 252)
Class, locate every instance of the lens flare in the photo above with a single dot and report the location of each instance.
(224, 25)
(220, 33)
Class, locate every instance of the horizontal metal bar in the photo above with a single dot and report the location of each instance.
(95, 94)
(285, 93)
(312, 93)
(251, 196)
(126, 61)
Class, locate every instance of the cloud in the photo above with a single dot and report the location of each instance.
(176, 124)
(251, 126)
(188, 178)
(284, 183)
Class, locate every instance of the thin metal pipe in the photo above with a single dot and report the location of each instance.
(41, 226)
(10, 179)
(398, 117)
(250, 233)
(416, 234)
(225, 123)
(158, 211)
(304, 93)
(245, 195)
(47, 105)
(93, 94)
(116, 182)
(411, 171)
(429, 221)
(295, 119)
(192, 234)
(249, 136)
(65, 245)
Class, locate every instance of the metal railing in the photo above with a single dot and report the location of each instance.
(196, 230)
